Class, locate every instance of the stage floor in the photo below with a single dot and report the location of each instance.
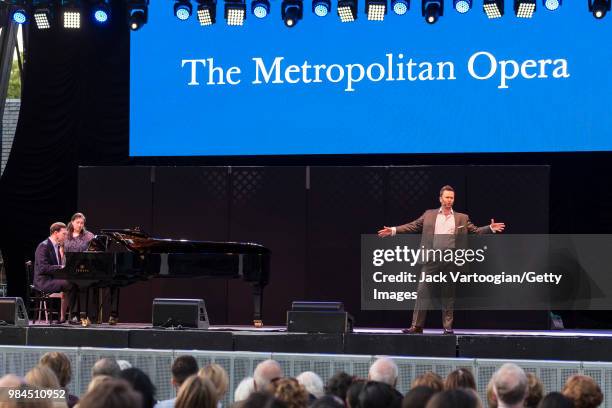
(566, 345)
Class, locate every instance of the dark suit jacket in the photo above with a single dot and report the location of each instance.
(45, 262)
(426, 225)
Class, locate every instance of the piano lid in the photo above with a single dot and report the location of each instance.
(138, 241)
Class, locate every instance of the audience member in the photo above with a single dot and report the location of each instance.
(142, 384)
(460, 378)
(60, 364)
(290, 391)
(418, 397)
(535, 391)
(556, 400)
(456, 398)
(583, 390)
(352, 394)
(106, 366)
(97, 380)
(312, 382)
(429, 379)
(384, 370)
(244, 389)
(6, 402)
(196, 392)
(376, 394)
(339, 384)
(327, 401)
(44, 378)
(265, 372)
(218, 376)
(113, 393)
(182, 368)
(491, 398)
(261, 399)
(510, 386)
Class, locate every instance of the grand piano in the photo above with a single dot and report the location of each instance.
(120, 257)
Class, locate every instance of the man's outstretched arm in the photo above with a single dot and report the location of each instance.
(413, 227)
(494, 227)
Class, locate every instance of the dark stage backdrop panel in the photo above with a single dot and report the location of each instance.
(343, 203)
(120, 197)
(192, 203)
(268, 206)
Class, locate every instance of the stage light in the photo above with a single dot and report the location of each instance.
(291, 12)
(400, 7)
(524, 8)
(552, 5)
(138, 13)
(321, 8)
(347, 10)
(599, 8)
(260, 8)
(207, 12)
(19, 15)
(182, 9)
(493, 8)
(42, 18)
(101, 12)
(432, 10)
(376, 9)
(462, 6)
(235, 12)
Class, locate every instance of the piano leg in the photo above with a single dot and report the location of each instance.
(258, 305)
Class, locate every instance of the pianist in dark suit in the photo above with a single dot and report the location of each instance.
(49, 257)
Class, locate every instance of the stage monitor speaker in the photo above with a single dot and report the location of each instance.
(183, 313)
(319, 317)
(13, 312)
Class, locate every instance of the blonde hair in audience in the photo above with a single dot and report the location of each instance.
(218, 376)
(42, 377)
(196, 392)
(97, 380)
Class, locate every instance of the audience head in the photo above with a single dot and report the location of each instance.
(290, 391)
(42, 376)
(59, 363)
(183, 367)
(457, 398)
(339, 384)
(384, 370)
(312, 382)
(106, 366)
(265, 372)
(24, 402)
(376, 394)
(97, 380)
(556, 400)
(219, 378)
(460, 378)
(244, 389)
(11, 381)
(583, 390)
(510, 385)
(196, 392)
(418, 397)
(535, 391)
(327, 401)
(491, 398)
(142, 384)
(429, 379)
(262, 400)
(352, 394)
(113, 393)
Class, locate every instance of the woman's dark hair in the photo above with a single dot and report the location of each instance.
(327, 401)
(352, 394)
(378, 395)
(262, 399)
(70, 227)
(112, 393)
(339, 384)
(460, 378)
(418, 397)
(141, 383)
(457, 398)
(556, 400)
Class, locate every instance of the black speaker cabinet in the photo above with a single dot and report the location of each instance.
(180, 312)
(13, 312)
(319, 322)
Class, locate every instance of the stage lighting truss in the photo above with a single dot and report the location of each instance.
(260, 8)
(551, 5)
(207, 12)
(182, 9)
(101, 11)
(493, 8)
(599, 8)
(400, 7)
(524, 8)
(321, 8)
(462, 6)
(376, 9)
(347, 10)
(432, 10)
(235, 12)
(138, 13)
(292, 11)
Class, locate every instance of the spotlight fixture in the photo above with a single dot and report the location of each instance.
(235, 12)
(292, 11)
(42, 17)
(524, 8)
(376, 9)
(260, 8)
(400, 7)
(19, 15)
(462, 6)
(432, 10)
(138, 13)
(207, 12)
(599, 8)
(101, 12)
(321, 8)
(182, 9)
(347, 10)
(493, 8)
(71, 15)
(552, 5)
